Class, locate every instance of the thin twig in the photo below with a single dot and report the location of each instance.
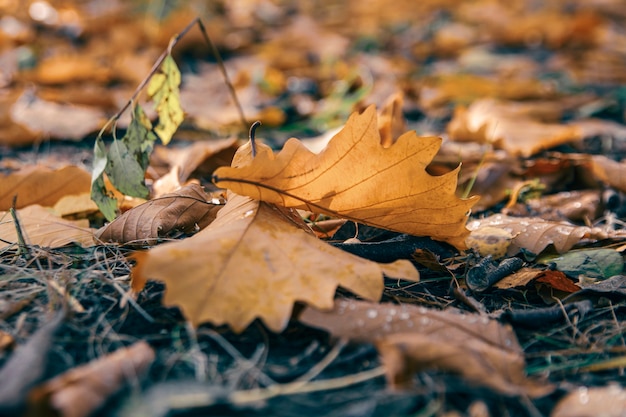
(222, 67)
(23, 249)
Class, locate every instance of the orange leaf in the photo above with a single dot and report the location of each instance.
(42, 228)
(81, 391)
(41, 185)
(183, 210)
(507, 127)
(558, 280)
(255, 260)
(356, 178)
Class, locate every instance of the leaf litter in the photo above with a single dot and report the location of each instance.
(542, 126)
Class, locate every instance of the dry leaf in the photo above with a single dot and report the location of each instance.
(534, 234)
(505, 126)
(26, 367)
(465, 88)
(81, 391)
(182, 211)
(391, 123)
(609, 171)
(412, 338)
(558, 281)
(41, 185)
(253, 261)
(42, 228)
(205, 156)
(49, 119)
(607, 401)
(356, 178)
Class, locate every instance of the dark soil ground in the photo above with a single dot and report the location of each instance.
(212, 371)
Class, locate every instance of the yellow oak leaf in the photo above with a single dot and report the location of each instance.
(357, 178)
(255, 260)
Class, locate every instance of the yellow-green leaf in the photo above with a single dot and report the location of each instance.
(164, 90)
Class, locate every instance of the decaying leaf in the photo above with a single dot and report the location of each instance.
(499, 123)
(26, 367)
(124, 164)
(355, 177)
(81, 391)
(412, 338)
(535, 234)
(50, 119)
(609, 171)
(182, 211)
(465, 88)
(164, 90)
(40, 185)
(203, 157)
(255, 260)
(43, 228)
(609, 401)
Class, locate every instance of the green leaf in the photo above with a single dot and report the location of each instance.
(99, 194)
(125, 172)
(593, 263)
(139, 138)
(164, 91)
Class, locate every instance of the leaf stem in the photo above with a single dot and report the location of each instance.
(251, 136)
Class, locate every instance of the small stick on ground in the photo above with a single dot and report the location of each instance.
(23, 249)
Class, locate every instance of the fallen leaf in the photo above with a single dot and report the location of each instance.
(49, 119)
(412, 338)
(26, 367)
(356, 178)
(465, 88)
(40, 185)
(500, 123)
(609, 401)
(255, 260)
(75, 205)
(81, 391)
(391, 123)
(609, 171)
(519, 278)
(535, 234)
(181, 211)
(42, 228)
(202, 157)
(599, 263)
(558, 281)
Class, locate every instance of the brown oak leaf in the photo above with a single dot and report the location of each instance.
(181, 211)
(255, 260)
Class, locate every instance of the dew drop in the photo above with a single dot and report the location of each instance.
(583, 395)
(422, 310)
(404, 315)
(392, 312)
(424, 321)
(484, 320)
(372, 314)
(248, 213)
